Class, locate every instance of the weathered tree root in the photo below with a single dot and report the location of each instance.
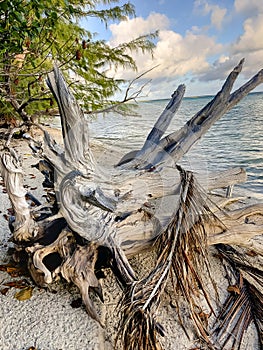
(24, 227)
(146, 198)
(239, 227)
(65, 258)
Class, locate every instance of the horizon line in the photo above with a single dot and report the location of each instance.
(193, 97)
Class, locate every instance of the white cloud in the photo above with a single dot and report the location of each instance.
(248, 45)
(217, 13)
(217, 16)
(193, 55)
(179, 55)
(248, 7)
(175, 54)
(132, 28)
(251, 39)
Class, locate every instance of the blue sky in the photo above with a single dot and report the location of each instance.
(199, 42)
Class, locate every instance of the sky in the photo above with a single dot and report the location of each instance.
(199, 42)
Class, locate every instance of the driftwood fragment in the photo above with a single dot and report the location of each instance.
(24, 226)
(147, 200)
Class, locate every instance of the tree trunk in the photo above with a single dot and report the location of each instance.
(147, 200)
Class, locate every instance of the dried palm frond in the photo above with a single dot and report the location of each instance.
(245, 302)
(181, 250)
(190, 265)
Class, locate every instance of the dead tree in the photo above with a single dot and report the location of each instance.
(147, 200)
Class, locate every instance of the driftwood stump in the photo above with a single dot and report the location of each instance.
(99, 217)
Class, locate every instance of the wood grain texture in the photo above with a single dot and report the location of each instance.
(126, 209)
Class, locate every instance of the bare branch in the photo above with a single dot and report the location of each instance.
(127, 97)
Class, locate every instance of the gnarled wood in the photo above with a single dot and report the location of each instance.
(146, 198)
(24, 226)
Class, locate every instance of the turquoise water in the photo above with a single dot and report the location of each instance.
(235, 140)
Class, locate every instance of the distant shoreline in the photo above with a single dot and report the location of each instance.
(195, 97)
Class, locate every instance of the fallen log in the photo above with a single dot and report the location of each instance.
(147, 201)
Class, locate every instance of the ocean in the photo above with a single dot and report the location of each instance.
(235, 140)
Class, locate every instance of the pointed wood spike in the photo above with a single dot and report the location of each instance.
(176, 144)
(74, 126)
(140, 157)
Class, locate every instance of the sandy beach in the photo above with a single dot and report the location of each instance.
(54, 319)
